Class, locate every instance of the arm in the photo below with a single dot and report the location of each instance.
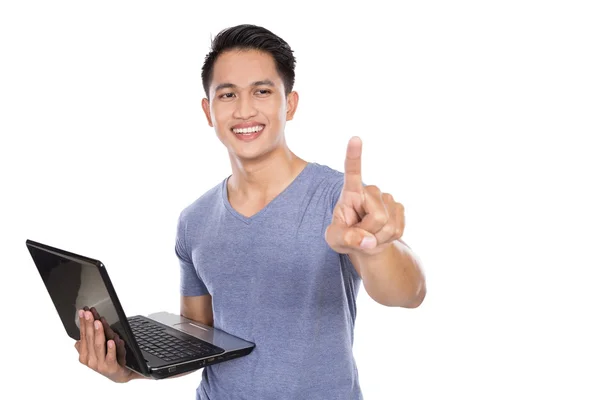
(393, 277)
(198, 308)
(368, 225)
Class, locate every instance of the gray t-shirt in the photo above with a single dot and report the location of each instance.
(275, 281)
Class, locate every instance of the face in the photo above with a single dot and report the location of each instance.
(248, 107)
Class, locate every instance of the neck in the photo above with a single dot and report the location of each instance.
(265, 175)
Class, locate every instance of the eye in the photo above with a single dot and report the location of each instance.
(263, 92)
(226, 96)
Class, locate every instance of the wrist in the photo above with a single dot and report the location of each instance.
(135, 376)
(128, 376)
(372, 255)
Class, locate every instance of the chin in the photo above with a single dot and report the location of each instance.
(252, 153)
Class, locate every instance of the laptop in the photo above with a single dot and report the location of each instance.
(158, 346)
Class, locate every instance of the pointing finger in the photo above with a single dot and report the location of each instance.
(352, 167)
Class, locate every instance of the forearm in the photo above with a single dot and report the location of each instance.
(393, 277)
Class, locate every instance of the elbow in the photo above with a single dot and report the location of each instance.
(413, 301)
(419, 294)
(418, 299)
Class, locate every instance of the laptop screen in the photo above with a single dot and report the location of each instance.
(73, 284)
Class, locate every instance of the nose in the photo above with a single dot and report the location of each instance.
(245, 108)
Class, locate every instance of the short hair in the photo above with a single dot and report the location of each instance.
(251, 37)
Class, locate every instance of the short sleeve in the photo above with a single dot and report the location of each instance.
(190, 282)
(336, 191)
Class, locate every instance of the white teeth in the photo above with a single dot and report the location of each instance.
(253, 129)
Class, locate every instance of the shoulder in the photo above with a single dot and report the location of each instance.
(326, 176)
(327, 181)
(204, 204)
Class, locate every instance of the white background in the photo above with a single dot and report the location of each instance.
(480, 117)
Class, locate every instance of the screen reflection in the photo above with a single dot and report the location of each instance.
(75, 284)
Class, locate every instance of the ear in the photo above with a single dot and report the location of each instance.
(291, 105)
(206, 108)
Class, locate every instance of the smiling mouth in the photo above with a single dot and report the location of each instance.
(248, 131)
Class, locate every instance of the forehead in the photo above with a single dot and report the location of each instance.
(242, 67)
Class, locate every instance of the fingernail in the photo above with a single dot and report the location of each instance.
(368, 242)
(96, 324)
(111, 344)
(87, 316)
(80, 313)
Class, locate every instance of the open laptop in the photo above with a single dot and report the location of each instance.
(157, 346)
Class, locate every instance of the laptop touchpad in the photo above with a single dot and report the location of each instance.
(195, 330)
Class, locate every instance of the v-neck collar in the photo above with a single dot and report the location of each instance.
(247, 220)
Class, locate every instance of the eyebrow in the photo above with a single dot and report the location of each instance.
(265, 82)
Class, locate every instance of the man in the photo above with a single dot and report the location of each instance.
(275, 253)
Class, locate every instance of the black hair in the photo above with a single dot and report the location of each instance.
(251, 37)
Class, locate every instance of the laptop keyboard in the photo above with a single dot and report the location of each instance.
(155, 340)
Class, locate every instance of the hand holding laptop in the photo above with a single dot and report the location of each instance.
(100, 348)
(122, 348)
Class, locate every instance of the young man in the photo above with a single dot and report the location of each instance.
(275, 253)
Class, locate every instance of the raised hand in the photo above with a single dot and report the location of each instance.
(365, 221)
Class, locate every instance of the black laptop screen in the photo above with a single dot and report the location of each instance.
(75, 284)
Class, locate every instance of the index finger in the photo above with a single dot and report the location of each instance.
(352, 167)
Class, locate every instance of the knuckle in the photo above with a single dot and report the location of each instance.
(92, 364)
(348, 238)
(373, 189)
(388, 198)
(380, 218)
(389, 230)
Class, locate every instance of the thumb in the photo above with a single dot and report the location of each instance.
(343, 236)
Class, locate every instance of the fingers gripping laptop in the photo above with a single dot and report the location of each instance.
(157, 346)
